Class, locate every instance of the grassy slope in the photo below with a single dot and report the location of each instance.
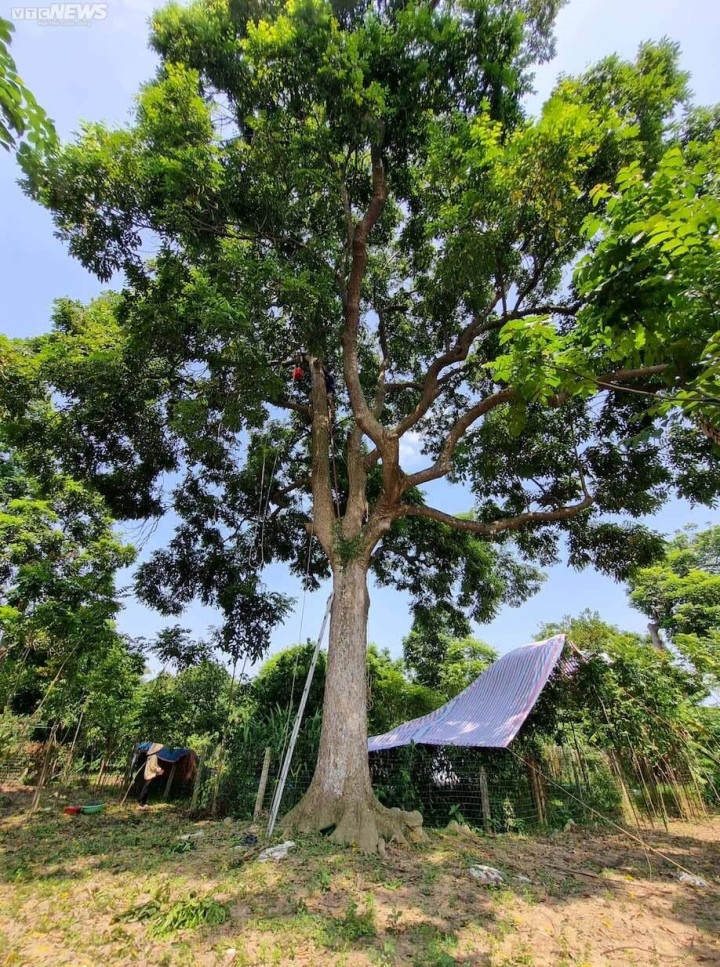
(75, 890)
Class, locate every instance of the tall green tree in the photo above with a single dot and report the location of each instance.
(354, 190)
(107, 687)
(680, 594)
(392, 697)
(59, 558)
(197, 702)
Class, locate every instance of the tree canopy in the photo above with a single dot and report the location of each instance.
(624, 695)
(59, 558)
(680, 594)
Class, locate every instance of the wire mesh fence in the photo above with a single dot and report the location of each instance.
(519, 789)
(499, 791)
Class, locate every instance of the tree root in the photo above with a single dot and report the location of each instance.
(362, 822)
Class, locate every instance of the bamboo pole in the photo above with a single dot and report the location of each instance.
(68, 764)
(277, 798)
(42, 778)
(628, 805)
(537, 789)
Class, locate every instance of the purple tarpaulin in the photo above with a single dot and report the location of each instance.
(488, 713)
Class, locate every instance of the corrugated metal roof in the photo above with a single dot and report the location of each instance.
(489, 713)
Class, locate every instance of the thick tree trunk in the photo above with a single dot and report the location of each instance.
(340, 794)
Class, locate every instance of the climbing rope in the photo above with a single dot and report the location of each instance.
(252, 550)
(336, 491)
(265, 511)
(297, 654)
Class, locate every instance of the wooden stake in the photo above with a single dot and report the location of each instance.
(170, 781)
(260, 799)
(538, 790)
(485, 800)
(198, 780)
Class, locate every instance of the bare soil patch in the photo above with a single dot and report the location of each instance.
(122, 888)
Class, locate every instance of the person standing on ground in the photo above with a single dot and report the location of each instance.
(152, 771)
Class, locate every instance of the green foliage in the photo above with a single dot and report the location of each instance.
(681, 596)
(440, 658)
(189, 915)
(186, 914)
(110, 685)
(250, 158)
(173, 646)
(280, 679)
(14, 732)
(58, 598)
(20, 114)
(392, 698)
(195, 702)
(623, 695)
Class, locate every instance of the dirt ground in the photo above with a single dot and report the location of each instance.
(123, 888)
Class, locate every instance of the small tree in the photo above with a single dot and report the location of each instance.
(627, 697)
(352, 193)
(441, 660)
(196, 702)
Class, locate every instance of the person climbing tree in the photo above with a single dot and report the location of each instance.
(329, 391)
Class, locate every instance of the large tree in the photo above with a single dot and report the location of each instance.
(680, 594)
(353, 190)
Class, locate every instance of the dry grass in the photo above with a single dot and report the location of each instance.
(112, 889)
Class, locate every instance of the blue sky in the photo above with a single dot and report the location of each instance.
(93, 73)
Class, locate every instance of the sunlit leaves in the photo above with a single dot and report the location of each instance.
(681, 594)
(21, 117)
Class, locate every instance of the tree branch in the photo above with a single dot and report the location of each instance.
(431, 385)
(548, 309)
(297, 407)
(443, 464)
(400, 385)
(351, 370)
(298, 484)
(498, 526)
